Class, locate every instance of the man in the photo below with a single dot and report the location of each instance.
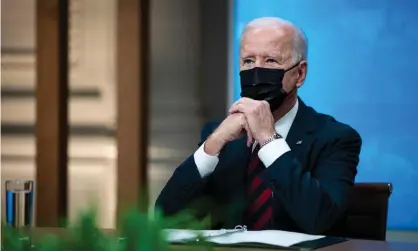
(292, 170)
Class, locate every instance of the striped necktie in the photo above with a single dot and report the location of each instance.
(259, 209)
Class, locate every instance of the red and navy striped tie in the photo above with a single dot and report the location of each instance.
(259, 209)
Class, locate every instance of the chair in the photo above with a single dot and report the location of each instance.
(367, 212)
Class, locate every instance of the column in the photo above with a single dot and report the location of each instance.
(132, 102)
(51, 112)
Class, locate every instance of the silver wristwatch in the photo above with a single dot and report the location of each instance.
(272, 138)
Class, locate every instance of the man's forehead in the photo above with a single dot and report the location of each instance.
(267, 34)
(264, 32)
(271, 51)
(265, 41)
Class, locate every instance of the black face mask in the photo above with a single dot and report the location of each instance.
(264, 84)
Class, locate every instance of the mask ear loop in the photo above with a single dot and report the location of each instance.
(293, 66)
(294, 89)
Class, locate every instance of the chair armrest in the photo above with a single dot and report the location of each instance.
(373, 188)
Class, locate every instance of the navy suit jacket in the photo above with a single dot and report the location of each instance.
(311, 183)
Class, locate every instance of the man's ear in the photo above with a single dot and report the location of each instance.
(302, 72)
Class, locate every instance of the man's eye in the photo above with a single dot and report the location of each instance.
(270, 60)
(248, 61)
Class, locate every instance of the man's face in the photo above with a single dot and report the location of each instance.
(270, 47)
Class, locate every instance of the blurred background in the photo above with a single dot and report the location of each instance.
(362, 57)
(188, 86)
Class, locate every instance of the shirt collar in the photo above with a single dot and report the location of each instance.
(282, 126)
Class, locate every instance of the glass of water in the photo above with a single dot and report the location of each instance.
(19, 203)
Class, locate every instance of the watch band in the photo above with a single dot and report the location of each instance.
(272, 138)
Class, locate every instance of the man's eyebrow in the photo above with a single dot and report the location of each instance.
(283, 57)
(279, 56)
(274, 54)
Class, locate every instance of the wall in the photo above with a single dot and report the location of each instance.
(214, 57)
(176, 111)
(188, 80)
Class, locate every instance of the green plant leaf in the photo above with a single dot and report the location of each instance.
(13, 239)
(49, 243)
(138, 231)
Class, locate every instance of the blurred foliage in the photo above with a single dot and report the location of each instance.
(138, 231)
(12, 239)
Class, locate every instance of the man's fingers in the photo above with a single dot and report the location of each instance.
(249, 135)
(245, 100)
(242, 101)
(233, 109)
(233, 106)
(237, 108)
(250, 138)
(246, 127)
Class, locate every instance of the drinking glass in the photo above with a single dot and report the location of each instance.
(19, 203)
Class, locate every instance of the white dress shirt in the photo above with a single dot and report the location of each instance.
(206, 163)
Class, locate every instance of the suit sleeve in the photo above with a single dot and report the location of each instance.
(186, 189)
(316, 200)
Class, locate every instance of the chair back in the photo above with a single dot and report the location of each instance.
(367, 213)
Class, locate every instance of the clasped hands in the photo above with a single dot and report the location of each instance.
(246, 116)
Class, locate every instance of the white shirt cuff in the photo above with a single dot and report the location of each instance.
(205, 163)
(272, 151)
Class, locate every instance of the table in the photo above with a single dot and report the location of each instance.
(366, 245)
(351, 245)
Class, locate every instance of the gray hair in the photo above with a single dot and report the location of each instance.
(300, 42)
